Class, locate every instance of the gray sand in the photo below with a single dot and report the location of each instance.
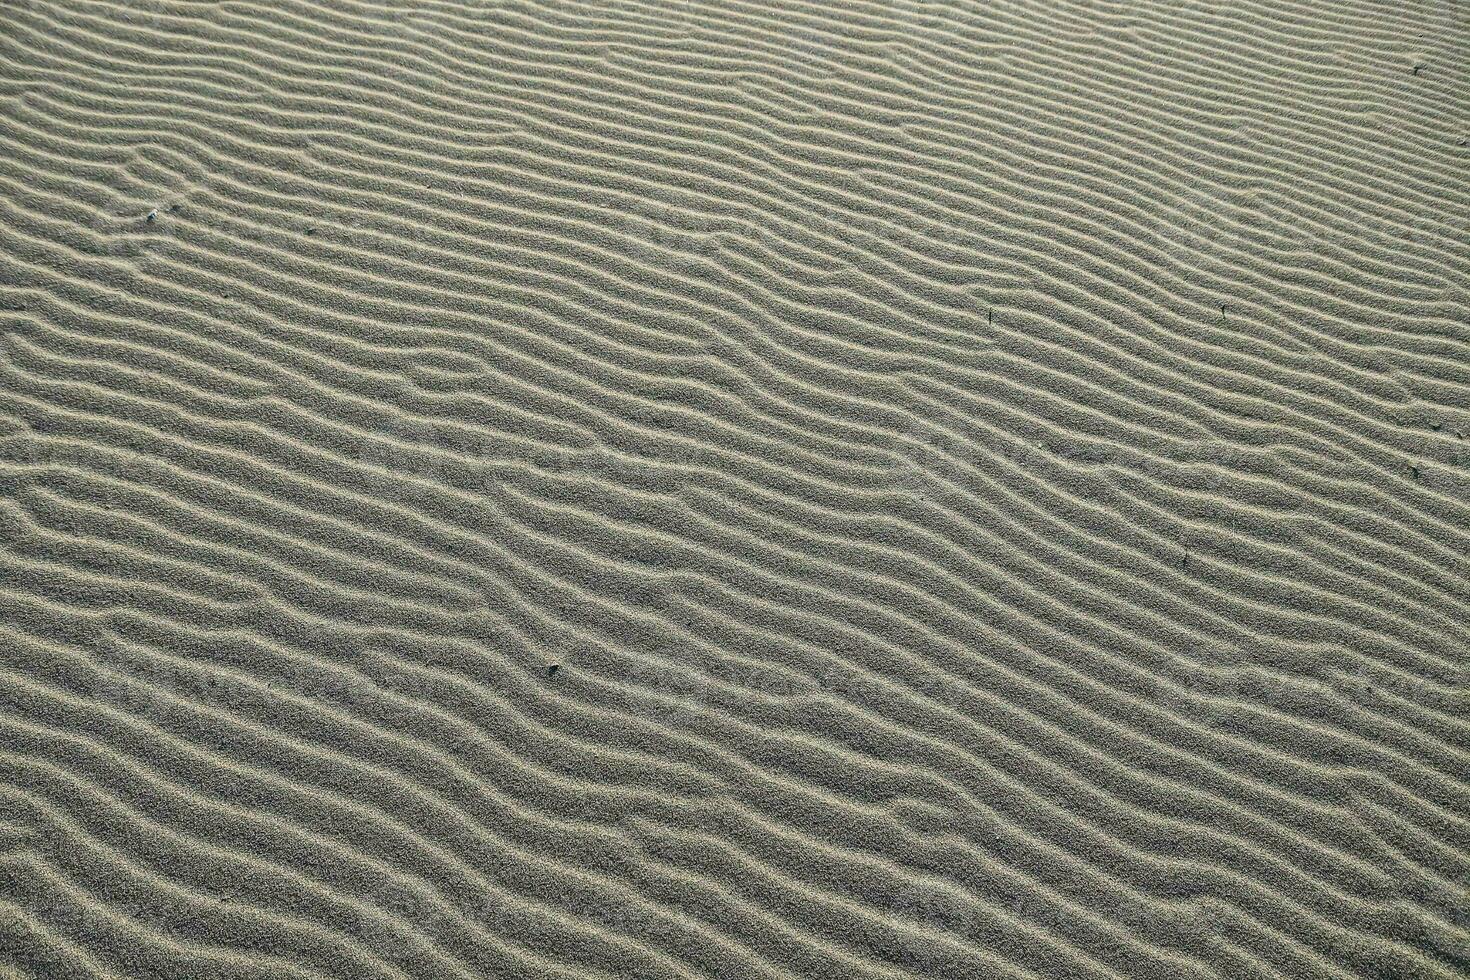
(737, 488)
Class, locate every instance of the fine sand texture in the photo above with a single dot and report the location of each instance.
(734, 488)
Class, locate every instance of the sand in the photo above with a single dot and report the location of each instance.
(734, 488)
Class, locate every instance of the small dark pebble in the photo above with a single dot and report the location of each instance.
(551, 669)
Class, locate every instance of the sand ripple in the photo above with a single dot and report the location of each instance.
(737, 488)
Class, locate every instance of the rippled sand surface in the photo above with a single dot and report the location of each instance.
(734, 488)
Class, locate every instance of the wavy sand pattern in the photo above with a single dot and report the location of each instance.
(734, 488)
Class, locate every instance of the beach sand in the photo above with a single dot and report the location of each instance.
(734, 488)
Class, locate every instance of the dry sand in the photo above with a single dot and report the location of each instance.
(734, 488)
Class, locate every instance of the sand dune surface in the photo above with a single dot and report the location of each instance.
(734, 488)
